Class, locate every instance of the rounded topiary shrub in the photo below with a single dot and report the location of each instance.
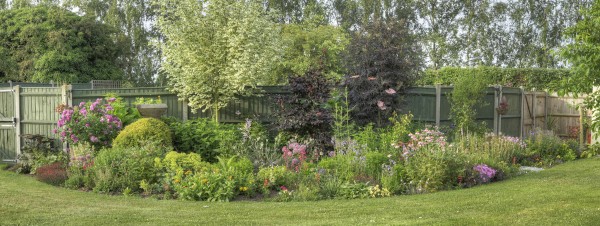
(143, 131)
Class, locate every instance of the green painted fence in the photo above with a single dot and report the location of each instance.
(30, 108)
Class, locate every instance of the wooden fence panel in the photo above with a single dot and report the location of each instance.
(421, 103)
(552, 112)
(7, 129)
(510, 123)
(37, 111)
(430, 105)
(129, 95)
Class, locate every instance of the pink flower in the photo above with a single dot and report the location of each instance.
(390, 91)
(112, 99)
(381, 105)
(94, 139)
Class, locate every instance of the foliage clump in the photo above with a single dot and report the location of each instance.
(48, 43)
(144, 131)
(123, 168)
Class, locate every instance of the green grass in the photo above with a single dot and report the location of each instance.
(567, 194)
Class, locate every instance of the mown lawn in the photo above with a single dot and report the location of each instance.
(568, 194)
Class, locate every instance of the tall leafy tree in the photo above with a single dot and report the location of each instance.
(383, 61)
(310, 46)
(43, 44)
(584, 56)
(215, 50)
(135, 19)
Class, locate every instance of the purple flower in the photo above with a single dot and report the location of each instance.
(81, 104)
(54, 131)
(74, 138)
(87, 125)
(112, 99)
(83, 112)
(485, 172)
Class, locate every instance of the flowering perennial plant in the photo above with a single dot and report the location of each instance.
(486, 173)
(88, 122)
(422, 139)
(515, 140)
(294, 155)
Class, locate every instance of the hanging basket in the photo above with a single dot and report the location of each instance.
(502, 111)
(152, 110)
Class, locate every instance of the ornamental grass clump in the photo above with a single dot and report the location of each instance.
(89, 122)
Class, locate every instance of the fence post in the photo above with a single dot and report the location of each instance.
(534, 110)
(581, 134)
(496, 93)
(500, 94)
(522, 112)
(66, 95)
(438, 103)
(545, 110)
(17, 118)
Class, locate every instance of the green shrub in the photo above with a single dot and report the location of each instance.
(274, 177)
(329, 186)
(432, 168)
(255, 144)
(210, 185)
(192, 179)
(374, 163)
(546, 149)
(241, 170)
(394, 179)
(203, 136)
(354, 190)
(344, 167)
(175, 167)
(80, 174)
(38, 151)
(142, 132)
(117, 169)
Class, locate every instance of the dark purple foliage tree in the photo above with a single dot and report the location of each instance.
(384, 59)
(304, 111)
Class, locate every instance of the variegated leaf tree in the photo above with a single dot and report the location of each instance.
(215, 51)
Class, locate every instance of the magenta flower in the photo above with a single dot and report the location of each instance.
(83, 112)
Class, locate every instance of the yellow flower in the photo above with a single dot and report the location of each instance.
(204, 181)
(177, 181)
(243, 188)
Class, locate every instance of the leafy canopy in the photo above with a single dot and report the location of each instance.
(214, 50)
(43, 44)
(584, 56)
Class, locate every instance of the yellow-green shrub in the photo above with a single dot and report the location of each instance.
(143, 131)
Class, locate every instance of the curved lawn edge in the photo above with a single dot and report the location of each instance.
(566, 194)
